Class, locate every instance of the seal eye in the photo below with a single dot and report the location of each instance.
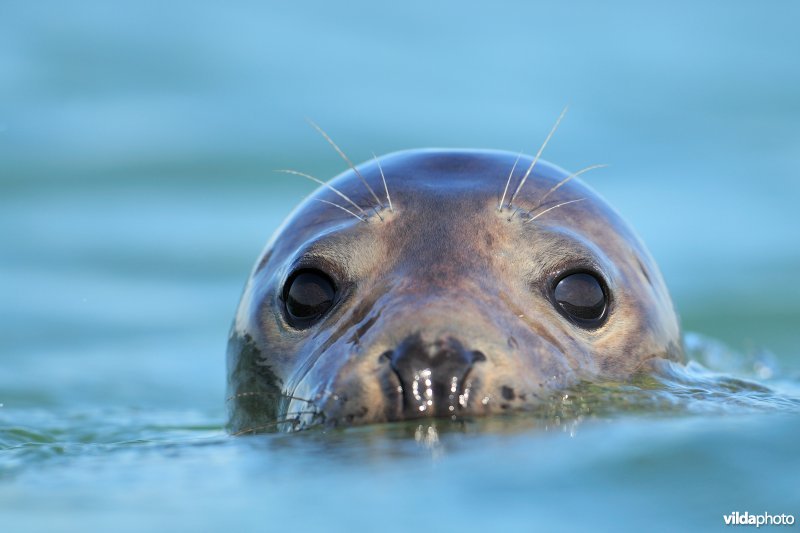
(308, 295)
(582, 298)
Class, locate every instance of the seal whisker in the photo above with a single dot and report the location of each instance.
(259, 392)
(288, 419)
(346, 159)
(362, 219)
(243, 395)
(325, 184)
(551, 208)
(538, 155)
(555, 187)
(385, 188)
(508, 181)
(516, 210)
(298, 398)
(378, 213)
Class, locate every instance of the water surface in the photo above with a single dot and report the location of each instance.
(136, 148)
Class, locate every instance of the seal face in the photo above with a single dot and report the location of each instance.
(442, 299)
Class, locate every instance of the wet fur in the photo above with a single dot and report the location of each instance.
(442, 263)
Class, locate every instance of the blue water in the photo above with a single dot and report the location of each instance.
(137, 143)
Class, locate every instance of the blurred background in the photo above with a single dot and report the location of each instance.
(138, 139)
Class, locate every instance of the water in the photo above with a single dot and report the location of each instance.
(136, 149)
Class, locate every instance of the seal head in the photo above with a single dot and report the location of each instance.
(439, 300)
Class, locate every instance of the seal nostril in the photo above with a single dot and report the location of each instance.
(432, 375)
(386, 357)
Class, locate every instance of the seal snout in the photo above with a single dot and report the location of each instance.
(434, 376)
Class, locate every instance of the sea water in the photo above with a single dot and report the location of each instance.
(137, 144)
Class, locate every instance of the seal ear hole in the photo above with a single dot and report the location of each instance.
(582, 297)
(307, 295)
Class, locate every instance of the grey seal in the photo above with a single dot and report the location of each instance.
(442, 283)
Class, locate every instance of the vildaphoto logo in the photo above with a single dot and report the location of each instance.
(746, 519)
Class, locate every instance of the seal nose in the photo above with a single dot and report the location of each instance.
(433, 375)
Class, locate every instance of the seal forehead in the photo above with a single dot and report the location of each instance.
(463, 182)
(445, 201)
(456, 170)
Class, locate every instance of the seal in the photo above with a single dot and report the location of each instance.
(442, 283)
